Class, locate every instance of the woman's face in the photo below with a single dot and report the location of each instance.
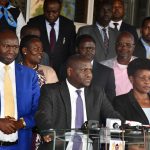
(141, 81)
(34, 52)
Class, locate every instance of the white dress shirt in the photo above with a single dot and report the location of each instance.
(14, 136)
(111, 24)
(56, 27)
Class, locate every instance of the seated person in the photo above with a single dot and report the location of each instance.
(32, 49)
(68, 104)
(135, 105)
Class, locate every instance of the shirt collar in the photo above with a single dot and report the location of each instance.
(11, 65)
(56, 23)
(72, 88)
(111, 24)
(101, 27)
(144, 43)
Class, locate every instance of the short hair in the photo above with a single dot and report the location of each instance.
(80, 39)
(121, 1)
(75, 59)
(51, 1)
(144, 20)
(25, 41)
(25, 28)
(138, 64)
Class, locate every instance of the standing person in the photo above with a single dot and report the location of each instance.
(104, 36)
(142, 49)
(124, 48)
(60, 103)
(57, 33)
(118, 12)
(19, 96)
(10, 17)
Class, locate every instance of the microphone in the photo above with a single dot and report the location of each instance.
(112, 123)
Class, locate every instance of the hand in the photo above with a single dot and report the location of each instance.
(7, 125)
(18, 124)
(47, 138)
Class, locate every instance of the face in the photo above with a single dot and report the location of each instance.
(104, 15)
(87, 49)
(52, 11)
(117, 11)
(125, 47)
(3, 2)
(145, 31)
(141, 81)
(34, 52)
(9, 47)
(81, 74)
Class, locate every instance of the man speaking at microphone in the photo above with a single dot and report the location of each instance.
(68, 104)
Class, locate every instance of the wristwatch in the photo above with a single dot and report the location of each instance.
(23, 122)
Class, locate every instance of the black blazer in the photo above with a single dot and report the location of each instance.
(140, 50)
(129, 108)
(127, 27)
(55, 107)
(65, 45)
(103, 76)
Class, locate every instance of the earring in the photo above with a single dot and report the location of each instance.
(25, 53)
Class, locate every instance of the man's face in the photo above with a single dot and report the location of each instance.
(117, 11)
(80, 74)
(87, 49)
(125, 47)
(52, 11)
(104, 15)
(145, 31)
(9, 47)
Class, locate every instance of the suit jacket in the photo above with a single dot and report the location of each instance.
(103, 76)
(129, 28)
(140, 50)
(65, 44)
(54, 110)
(101, 52)
(129, 108)
(28, 92)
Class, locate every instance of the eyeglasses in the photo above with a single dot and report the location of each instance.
(36, 50)
(128, 45)
(143, 79)
(8, 46)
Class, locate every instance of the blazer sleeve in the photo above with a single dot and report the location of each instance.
(107, 110)
(43, 116)
(110, 88)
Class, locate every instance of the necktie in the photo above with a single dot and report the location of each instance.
(115, 24)
(52, 36)
(8, 94)
(79, 120)
(106, 41)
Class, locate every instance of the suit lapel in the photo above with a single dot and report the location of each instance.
(18, 74)
(66, 99)
(88, 99)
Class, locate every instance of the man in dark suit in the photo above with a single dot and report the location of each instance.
(58, 107)
(142, 49)
(117, 19)
(58, 44)
(103, 76)
(104, 36)
(16, 125)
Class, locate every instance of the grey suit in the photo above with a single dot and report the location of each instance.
(55, 107)
(101, 52)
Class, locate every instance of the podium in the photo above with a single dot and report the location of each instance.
(100, 139)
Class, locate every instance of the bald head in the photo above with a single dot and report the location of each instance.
(9, 46)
